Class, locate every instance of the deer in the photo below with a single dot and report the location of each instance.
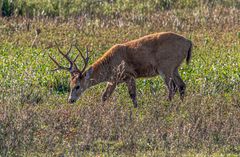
(149, 56)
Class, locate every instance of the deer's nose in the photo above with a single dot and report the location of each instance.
(71, 101)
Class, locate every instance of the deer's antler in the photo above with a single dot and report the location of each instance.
(73, 67)
(86, 60)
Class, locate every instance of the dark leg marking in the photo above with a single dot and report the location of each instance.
(131, 84)
(180, 84)
(108, 91)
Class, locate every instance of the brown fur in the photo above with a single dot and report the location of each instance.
(148, 56)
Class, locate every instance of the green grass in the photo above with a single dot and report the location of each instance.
(35, 119)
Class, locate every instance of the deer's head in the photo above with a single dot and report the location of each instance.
(79, 78)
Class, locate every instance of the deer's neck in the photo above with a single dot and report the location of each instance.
(100, 73)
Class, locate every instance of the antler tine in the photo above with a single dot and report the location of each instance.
(59, 50)
(79, 52)
(87, 52)
(65, 55)
(76, 58)
(69, 50)
(59, 66)
(73, 66)
(84, 59)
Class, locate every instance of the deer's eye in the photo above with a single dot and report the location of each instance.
(77, 88)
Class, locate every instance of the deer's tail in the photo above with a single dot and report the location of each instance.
(189, 53)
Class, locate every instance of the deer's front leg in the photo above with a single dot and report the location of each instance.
(108, 91)
(131, 84)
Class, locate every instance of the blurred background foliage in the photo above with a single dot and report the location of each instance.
(101, 8)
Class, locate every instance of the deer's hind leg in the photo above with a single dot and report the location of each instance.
(109, 90)
(170, 83)
(180, 84)
(131, 84)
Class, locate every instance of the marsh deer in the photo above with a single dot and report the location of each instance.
(148, 56)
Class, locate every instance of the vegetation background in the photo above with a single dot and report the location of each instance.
(35, 119)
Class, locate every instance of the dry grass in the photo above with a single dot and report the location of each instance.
(202, 124)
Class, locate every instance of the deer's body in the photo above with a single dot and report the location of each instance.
(151, 55)
(147, 56)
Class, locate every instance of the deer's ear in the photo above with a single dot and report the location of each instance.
(75, 73)
(89, 73)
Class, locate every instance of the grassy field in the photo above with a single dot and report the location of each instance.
(35, 119)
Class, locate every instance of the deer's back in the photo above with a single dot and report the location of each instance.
(156, 52)
(148, 55)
